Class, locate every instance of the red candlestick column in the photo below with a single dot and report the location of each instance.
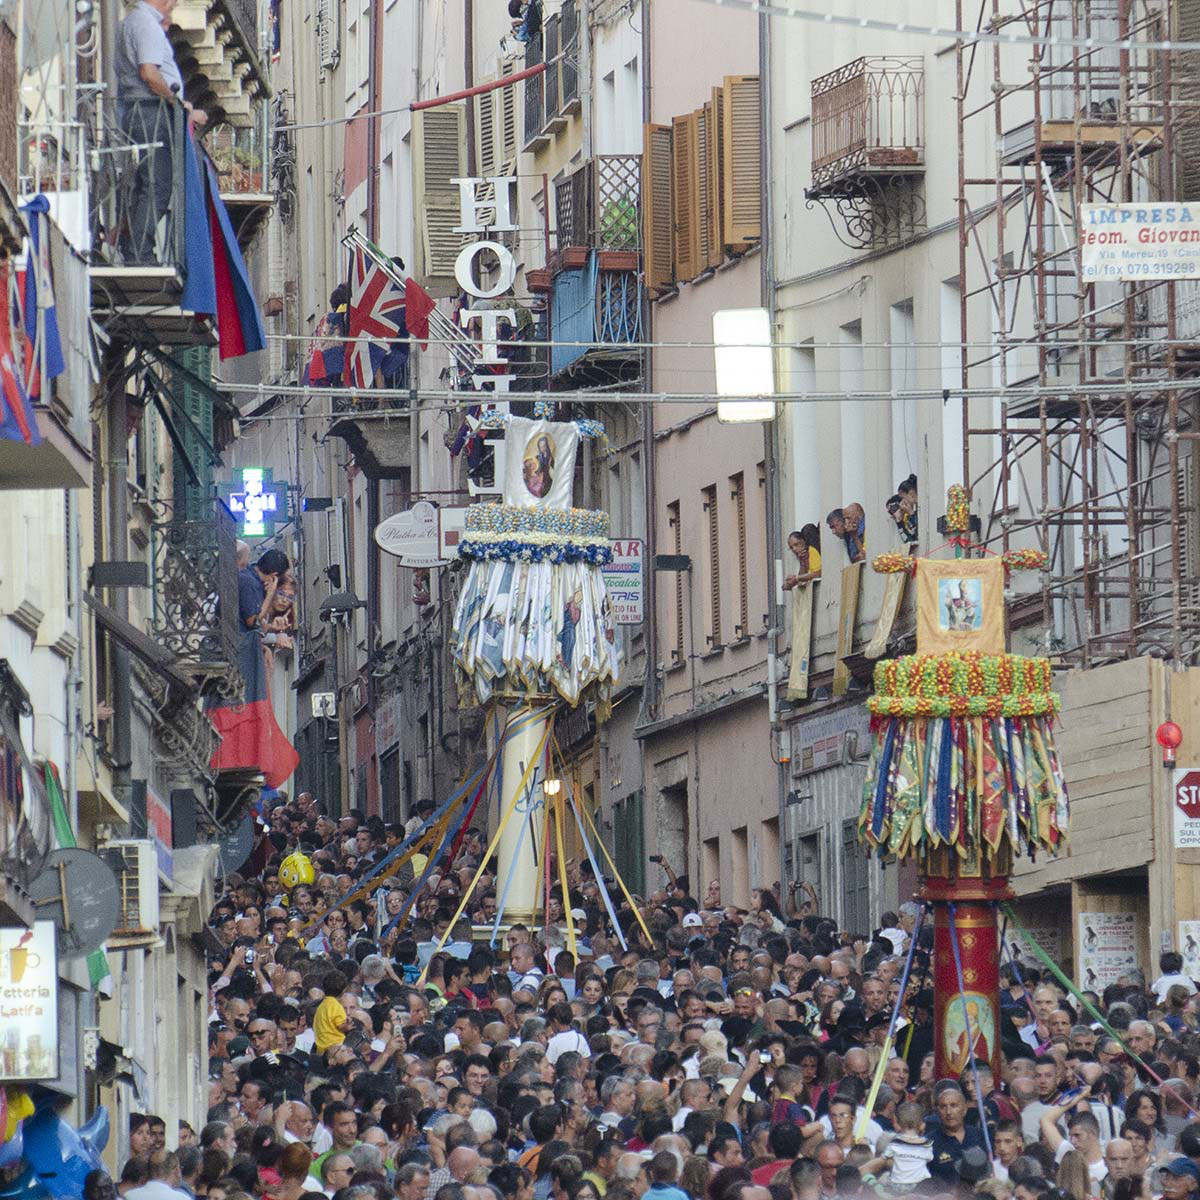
(979, 952)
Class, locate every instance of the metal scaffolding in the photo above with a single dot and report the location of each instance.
(1106, 485)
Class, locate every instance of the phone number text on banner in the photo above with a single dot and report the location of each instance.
(1139, 241)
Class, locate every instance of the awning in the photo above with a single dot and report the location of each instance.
(136, 642)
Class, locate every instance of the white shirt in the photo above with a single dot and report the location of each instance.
(155, 1189)
(322, 1140)
(306, 1041)
(873, 1132)
(1096, 1171)
(1164, 983)
(569, 1039)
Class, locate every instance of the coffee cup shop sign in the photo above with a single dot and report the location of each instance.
(412, 536)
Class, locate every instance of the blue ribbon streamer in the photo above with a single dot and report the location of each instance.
(882, 784)
(941, 795)
(587, 846)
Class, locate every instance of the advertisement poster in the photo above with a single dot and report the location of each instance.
(28, 1003)
(1139, 241)
(625, 582)
(1189, 947)
(1106, 948)
(1020, 943)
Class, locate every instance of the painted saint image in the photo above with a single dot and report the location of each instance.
(960, 605)
(537, 467)
(566, 639)
(973, 1040)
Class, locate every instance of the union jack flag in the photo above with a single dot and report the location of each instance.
(376, 311)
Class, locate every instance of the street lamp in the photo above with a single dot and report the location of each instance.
(552, 787)
(745, 364)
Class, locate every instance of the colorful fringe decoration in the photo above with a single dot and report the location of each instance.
(964, 756)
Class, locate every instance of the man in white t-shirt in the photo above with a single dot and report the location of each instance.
(564, 1036)
(1083, 1134)
(1171, 965)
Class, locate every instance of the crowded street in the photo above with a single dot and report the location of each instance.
(599, 600)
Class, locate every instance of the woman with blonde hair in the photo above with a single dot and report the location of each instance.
(1073, 1176)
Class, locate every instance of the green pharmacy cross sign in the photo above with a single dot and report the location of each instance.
(256, 500)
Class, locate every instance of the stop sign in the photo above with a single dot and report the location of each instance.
(1187, 793)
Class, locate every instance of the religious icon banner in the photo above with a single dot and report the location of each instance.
(960, 605)
(539, 463)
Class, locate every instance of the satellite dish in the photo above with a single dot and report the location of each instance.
(235, 844)
(78, 891)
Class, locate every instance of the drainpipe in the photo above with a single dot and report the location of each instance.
(771, 438)
(375, 49)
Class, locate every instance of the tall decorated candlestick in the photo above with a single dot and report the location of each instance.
(963, 774)
(533, 630)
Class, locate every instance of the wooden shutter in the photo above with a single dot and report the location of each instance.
(506, 124)
(714, 120)
(708, 191)
(713, 516)
(737, 491)
(742, 163)
(439, 155)
(677, 548)
(685, 207)
(485, 132)
(657, 224)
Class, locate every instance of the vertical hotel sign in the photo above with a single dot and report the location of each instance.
(490, 373)
(28, 1003)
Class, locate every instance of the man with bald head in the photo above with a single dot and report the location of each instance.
(1118, 1158)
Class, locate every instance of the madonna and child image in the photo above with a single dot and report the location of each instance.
(538, 465)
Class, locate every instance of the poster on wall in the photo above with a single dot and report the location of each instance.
(1020, 943)
(1106, 948)
(1189, 947)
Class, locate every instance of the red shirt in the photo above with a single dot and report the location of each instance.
(764, 1175)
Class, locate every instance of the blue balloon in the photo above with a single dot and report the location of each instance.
(25, 1187)
(58, 1155)
(13, 1150)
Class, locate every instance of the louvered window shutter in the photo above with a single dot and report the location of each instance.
(737, 491)
(329, 33)
(506, 134)
(709, 495)
(440, 153)
(742, 161)
(686, 217)
(708, 228)
(657, 223)
(485, 132)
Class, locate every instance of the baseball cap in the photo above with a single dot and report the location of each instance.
(692, 920)
(1183, 1166)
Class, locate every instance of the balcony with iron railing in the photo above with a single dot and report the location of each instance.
(195, 613)
(594, 274)
(868, 149)
(241, 155)
(598, 207)
(867, 116)
(136, 216)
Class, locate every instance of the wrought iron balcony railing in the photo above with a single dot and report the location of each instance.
(868, 117)
(196, 592)
(599, 205)
(595, 316)
(535, 117)
(137, 199)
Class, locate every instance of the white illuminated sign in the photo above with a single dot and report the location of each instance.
(744, 363)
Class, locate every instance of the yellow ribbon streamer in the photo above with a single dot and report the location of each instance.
(530, 767)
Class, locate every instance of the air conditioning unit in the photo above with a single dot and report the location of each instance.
(137, 878)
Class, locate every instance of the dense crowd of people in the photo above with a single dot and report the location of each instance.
(726, 1054)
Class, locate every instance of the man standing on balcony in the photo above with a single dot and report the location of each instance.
(149, 87)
